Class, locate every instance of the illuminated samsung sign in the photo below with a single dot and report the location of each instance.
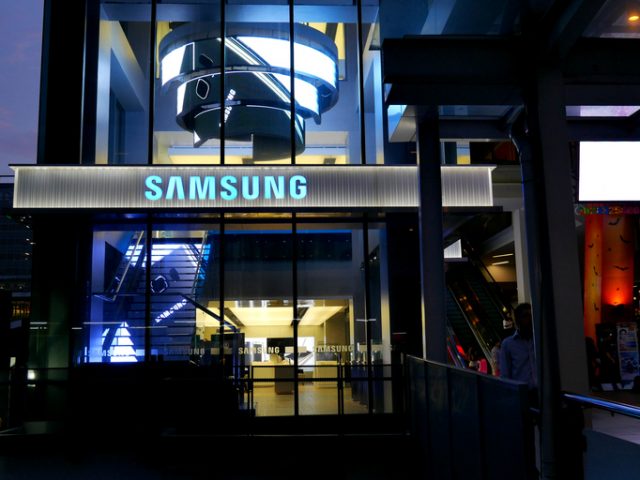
(228, 188)
(267, 188)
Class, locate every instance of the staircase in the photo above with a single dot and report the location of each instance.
(175, 272)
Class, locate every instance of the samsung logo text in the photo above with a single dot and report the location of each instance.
(227, 188)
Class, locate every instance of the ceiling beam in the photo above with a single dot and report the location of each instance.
(565, 23)
(579, 129)
(492, 71)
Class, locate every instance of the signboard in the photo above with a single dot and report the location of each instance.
(609, 172)
(627, 351)
(242, 187)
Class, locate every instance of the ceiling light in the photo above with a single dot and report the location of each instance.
(503, 255)
(634, 17)
(504, 262)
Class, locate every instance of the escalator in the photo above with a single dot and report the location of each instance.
(476, 317)
(460, 336)
(493, 308)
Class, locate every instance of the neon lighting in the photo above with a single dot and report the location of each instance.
(199, 190)
(175, 186)
(230, 191)
(204, 188)
(153, 192)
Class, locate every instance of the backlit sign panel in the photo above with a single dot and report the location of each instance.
(242, 187)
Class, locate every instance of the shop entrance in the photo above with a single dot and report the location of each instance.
(289, 310)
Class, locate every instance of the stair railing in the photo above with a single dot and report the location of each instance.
(116, 292)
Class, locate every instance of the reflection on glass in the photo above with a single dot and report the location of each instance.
(258, 302)
(114, 332)
(187, 92)
(334, 135)
(183, 282)
(121, 119)
(330, 302)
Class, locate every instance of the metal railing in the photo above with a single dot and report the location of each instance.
(469, 425)
(342, 377)
(608, 405)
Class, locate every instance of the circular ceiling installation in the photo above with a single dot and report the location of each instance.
(257, 83)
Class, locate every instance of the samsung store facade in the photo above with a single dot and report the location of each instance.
(188, 215)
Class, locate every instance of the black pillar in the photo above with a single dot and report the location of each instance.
(553, 261)
(61, 253)
(431, 243)
(403, 247)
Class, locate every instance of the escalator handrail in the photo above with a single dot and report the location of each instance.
(483, 346)
(451, 338)
(497, 303)
(199, 265)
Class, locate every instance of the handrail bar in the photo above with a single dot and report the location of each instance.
(124, 274)
(199, 265)
(609, 405)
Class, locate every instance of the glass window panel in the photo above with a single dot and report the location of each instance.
(187, 83)
(327, 99)
(258, 303)
(114, 331)
(330, 303)
(184, 300)
(257, 113)
(327, 85)
(120, 121)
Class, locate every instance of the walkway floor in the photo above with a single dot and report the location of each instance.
(327, 457)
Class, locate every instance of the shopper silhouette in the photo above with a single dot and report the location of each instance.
(517, 355)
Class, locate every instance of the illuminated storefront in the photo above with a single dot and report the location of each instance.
(225, 226)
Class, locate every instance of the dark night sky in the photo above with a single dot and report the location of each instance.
(20, 45)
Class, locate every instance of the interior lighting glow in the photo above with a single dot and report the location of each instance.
(182, 89)
(172, 63)
(615, 111)
(122, 348)
(503, 262)
(503, 255)
(306, 94)
(634, 17)
(454, 250)
(276, 52)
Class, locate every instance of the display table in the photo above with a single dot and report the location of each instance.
(284, 372)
